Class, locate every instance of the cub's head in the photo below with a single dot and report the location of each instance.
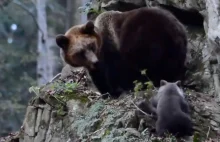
(171, 87)
(80, 45)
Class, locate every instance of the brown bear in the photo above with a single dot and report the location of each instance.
(172, 110)
(118, 45)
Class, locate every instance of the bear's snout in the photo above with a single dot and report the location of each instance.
(91, 57)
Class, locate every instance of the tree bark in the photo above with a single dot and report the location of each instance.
(44, 65)
(69, 16)
(213, 38)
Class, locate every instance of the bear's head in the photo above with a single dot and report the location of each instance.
(172, 87)
(80, 45)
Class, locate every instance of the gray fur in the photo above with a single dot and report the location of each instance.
(172, 110)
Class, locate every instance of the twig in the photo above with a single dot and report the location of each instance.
(207, 135)
(140, 109)
(81, 74)
(55, 77)
(63, 103)
(89, 97)
(95, 132)
(144, 131)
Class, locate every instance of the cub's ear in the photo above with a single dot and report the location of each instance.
(92, 15)
(62, 41)
(88, 28)
(163, 82)
(178, 83)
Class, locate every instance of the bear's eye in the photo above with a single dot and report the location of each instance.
(81, 54)
(91, 47)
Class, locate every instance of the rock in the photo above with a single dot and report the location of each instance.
(214, 123)
(132, 131)
(44, 124)
(105, 120)
(135, 2)
(30, 121)
(122, 5)
(75, 107)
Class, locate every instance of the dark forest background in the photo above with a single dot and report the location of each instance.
(22, 50)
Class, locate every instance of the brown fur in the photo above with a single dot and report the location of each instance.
(76, 35)
(125, 43)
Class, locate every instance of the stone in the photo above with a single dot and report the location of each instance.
(132, 131)
(122, 5)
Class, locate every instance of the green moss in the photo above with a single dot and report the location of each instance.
(57, 94)
(196, 137)
(98, 124)
(82, 99)
(67, 91)
(90, 121)
(60, 111)
(115, 135)
(107, 132)
(95, 109)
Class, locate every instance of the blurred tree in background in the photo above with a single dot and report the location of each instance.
(19, 56)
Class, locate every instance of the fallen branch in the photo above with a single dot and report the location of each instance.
(141, 110)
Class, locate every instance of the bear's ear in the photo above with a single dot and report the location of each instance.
(163, 82)
(88, 28)
(178, 83)
(62, 41)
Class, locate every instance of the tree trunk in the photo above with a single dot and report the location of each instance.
(73, 16)
(213, 37)
(44, 65)
(69, 14)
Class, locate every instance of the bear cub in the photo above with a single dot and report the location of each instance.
(172, 110)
